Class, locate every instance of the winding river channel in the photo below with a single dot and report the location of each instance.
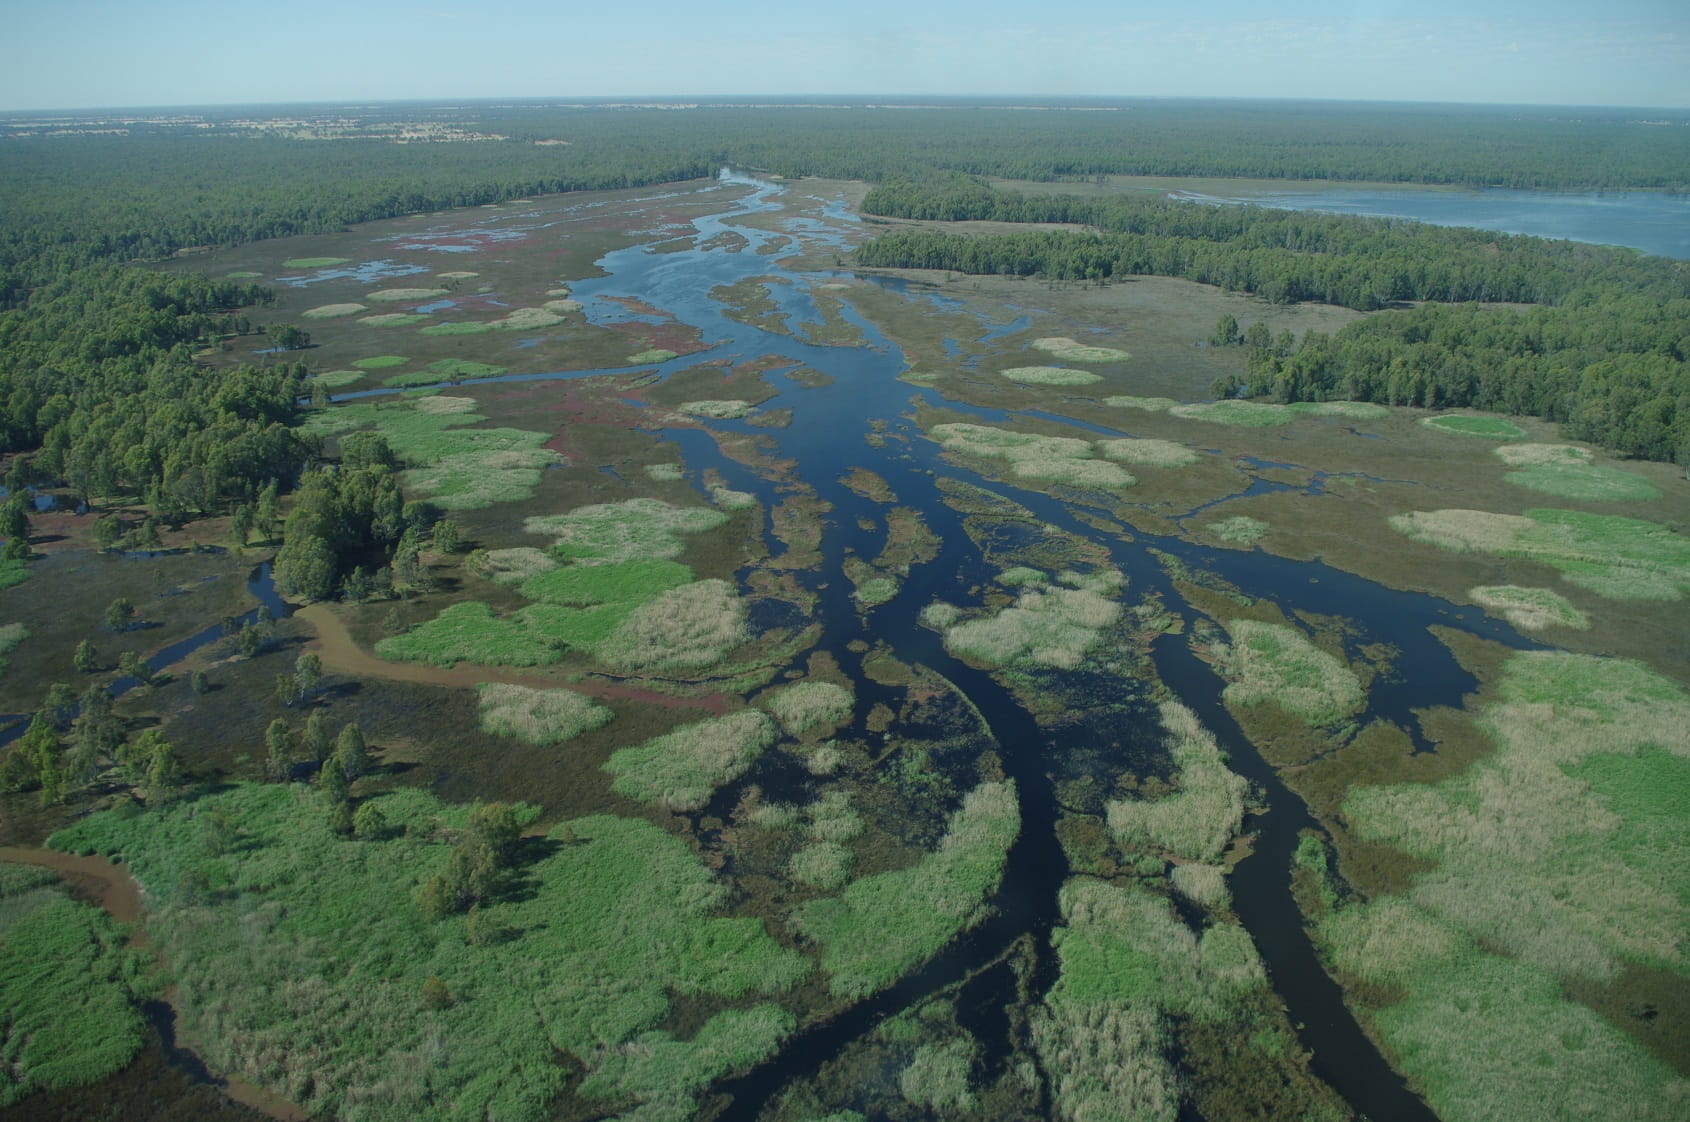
(828, 436)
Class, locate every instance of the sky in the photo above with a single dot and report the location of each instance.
(71, 54)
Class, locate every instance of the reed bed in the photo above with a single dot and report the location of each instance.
(680, 770)
(1206, 810)
(1274, 662)
(538, 716)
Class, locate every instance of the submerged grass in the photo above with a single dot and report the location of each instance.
(538, 716)
(1276, 662)
(682, 769)
(881, 926)
(313, 984)
(1619, 558)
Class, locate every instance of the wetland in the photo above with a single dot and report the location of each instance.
(888, 694)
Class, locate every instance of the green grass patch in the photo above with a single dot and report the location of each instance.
(937, 1075)
(823, 865)
(1051, 376)
(803, 706)
(306, 263)
(243, 274)
(634, 529)
(1044, 627)
(538, 716)
(456, 368)
(1239, 529)
(656, 354)
(882, 926)
(301, 959)
(1585, 481)
(394, 319)
(1351, 410)
(1240, 414)
(624, 582)
(1206, 809)
(1275, 662)
(1148, 404)
(1620, 558)
(380, 362)
(682, 769)
(335, 379)
(67, 985)
(458, 328)
(1529, 609)
(13, 571)
(1067, 350)
(472, 632)
(1466, 424)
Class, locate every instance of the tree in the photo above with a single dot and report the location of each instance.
(350, 751)
(1258, 337)
(332, 782)
(316, 739)
(132, 665)
(199, 682)
(264, 518)
(87, 657)
(287, 689)
(287, 337)
(119, 613)
(164, 775)
(14, 517)
(108, 531)
(307, 672)
(369, 823)
(446, 536)
(279, 751)
(249, 641)
(305, 567)
(240, 525)
(1226, 333)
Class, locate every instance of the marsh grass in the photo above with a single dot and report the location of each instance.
(682, 769)
(299, 959)
(1051, 376)
(938, 1075)
(1056, 459)
(1241, 414)
(1275, 662)
(805, 706)
(1543, 455)
(332, 311)
(1197, 821)
(1203, 885)
(624, 582)
(881, 926)
(727, 410)
(729, 499)
(823, 865)
(665, 473)
(1585, 481)
(1240, 529)
(1352, 410)
(529, 319)
(624, 531)
(516, 565)
(1044, 627)
(306, 263)
(1530, 609)
(1150, 453)
(1465, 424)
(335, 379)
(401, 295)
(459, 327)
(457, 368)
(1619, 558)
(652, 356)
(67, 985)
(538, 716)
(689, 628)
(1148, 404)
(1067, 350)
(380, 362)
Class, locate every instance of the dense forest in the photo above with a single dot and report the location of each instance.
(102, 392)
(1604, 350)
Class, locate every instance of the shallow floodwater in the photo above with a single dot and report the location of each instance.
(1653, 222)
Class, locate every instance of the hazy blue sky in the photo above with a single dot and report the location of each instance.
(86, 53)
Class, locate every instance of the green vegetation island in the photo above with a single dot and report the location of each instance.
(741, 610)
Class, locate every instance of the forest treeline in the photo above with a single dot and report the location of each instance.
(1604, 350)
(102, 393)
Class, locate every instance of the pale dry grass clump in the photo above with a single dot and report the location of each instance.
(825, 760)
(1050, 376)
(1044, 627)
(332, 311)
(1530, 609)
(1148, 404)
(1529, 855)
(1464, 531)
(1240, 529)
(400, 295)
(665, 473)
(528, 319)
(1106, 1062)
(687, 628)
(1070, 351)
(1246, 414)
(682, 769)
(443, 405)
(803, 706)
(940, 615)
(1544, 455)
(1151, 453)
(562, 307)
(538, 716)
(1057, 459)
(729, 499)
(1274, 662)
(937, 1076)
(1094, 474)
(392, 319)
(823, 865)
(635, 529)
(457, 274)
(516, 565)
(1200, 818)
(727, 410)
(1203, 885)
